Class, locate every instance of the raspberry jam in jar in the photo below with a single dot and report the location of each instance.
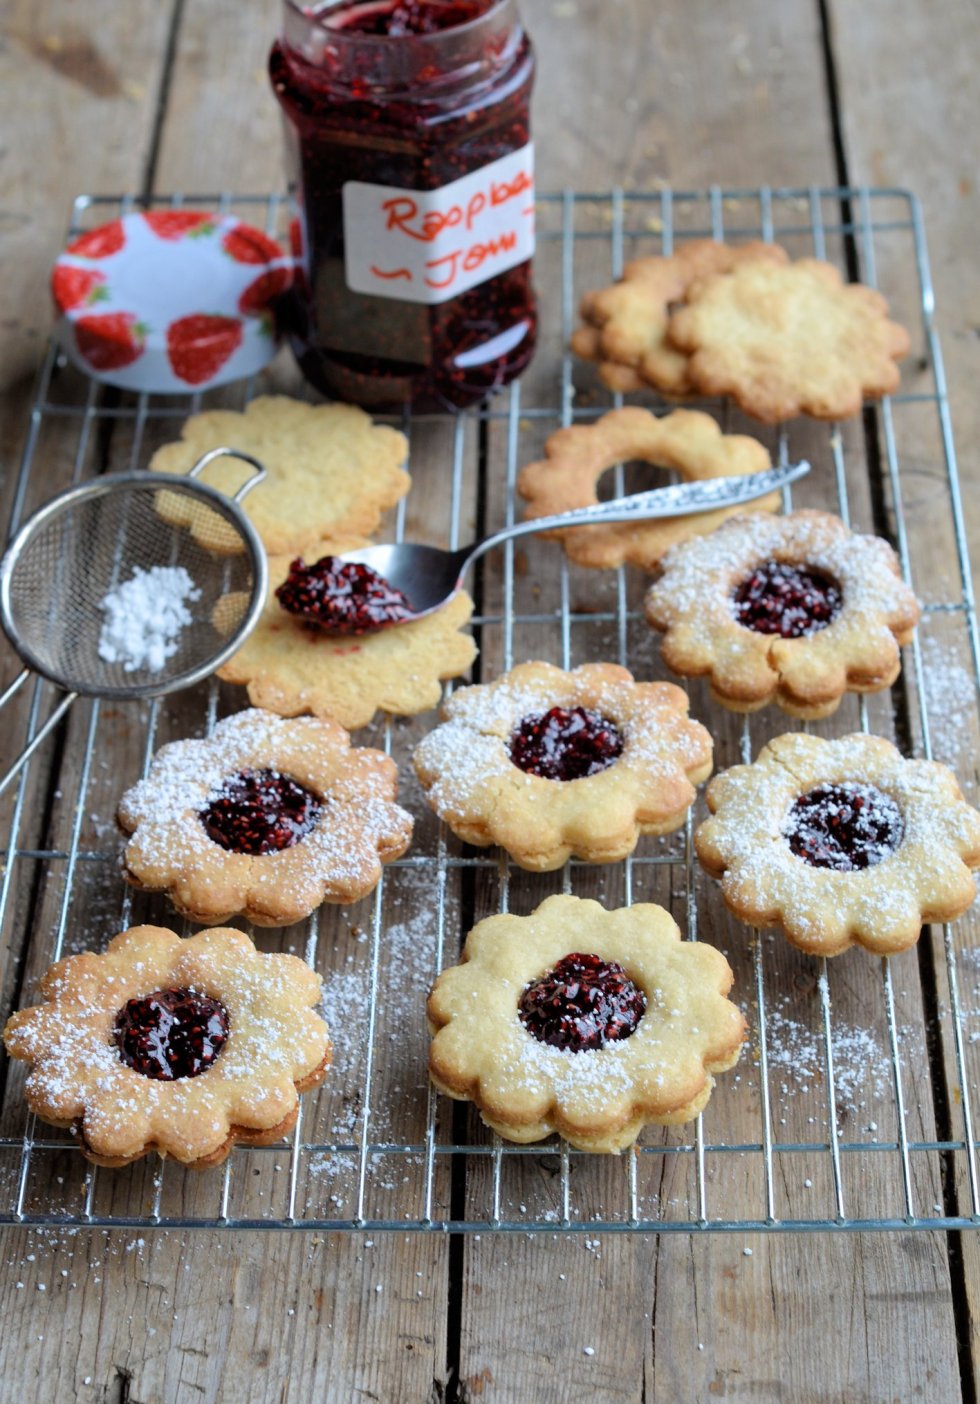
(409, 145)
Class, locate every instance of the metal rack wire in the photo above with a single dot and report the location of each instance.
(853, 1108)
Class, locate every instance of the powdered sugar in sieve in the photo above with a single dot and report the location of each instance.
(145, 616)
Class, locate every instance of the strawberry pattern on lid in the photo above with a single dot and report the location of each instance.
(170, 300)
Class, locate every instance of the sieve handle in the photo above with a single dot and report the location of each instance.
(48, 726)
(212, 454)
(14, 687)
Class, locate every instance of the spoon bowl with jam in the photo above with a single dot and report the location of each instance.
(375, 587)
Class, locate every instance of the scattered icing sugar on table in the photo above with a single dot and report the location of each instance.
(144, 617)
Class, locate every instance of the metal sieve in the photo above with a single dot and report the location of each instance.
(88, 541)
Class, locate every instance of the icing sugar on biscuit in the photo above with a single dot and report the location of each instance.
(801, 641)
(82, 1076)
(915, 870)
(621, 759)
(266, 818)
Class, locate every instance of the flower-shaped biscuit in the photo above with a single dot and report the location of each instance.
(789, 339)
(265, 819)
(622, 380)
(626, 324)
(841, 842)
(583, 1021)
(794, 610)
(331, 471)
(291, 666)
(184, 1047)
(552, 764)
(576, 458)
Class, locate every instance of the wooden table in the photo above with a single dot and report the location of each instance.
(152, 97)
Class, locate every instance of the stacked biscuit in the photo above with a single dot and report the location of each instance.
(781, 337)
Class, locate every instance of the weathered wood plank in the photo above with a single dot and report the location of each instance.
(694, 94)
(68, 88)
(914, 126)
(77, 103)
(340, 1319)
(738, 65)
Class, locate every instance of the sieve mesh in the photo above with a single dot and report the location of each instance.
(90, 541)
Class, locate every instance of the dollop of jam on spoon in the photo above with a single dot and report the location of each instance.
(342, 597)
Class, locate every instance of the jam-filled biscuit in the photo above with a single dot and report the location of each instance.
(583, 1021)
(265, 819)
(789, 339)
(795, 610)
(183, 1047)
(331, 471)
(552, 764)
(841, 842)
(629, 319)
(687, 441)
(291, 665)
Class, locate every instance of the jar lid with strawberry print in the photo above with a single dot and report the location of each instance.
(171, 300)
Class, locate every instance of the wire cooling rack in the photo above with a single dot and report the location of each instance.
(853, 1104)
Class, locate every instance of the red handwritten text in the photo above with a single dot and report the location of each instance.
(467, 260)
(395, 272)
(403, 212)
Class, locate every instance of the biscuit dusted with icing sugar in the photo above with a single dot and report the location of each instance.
(687, 441)
(833, 623)
(599, 1096)
(275, 1047)
(192, 834)
(331, 472)
(789, 340)
(290, 666)
(645, 784)
(841, 843)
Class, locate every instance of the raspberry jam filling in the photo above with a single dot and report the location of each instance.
(171, 1034)
(342, 597)
(565, 743)
(789, 600)
(582, 1003)
(846, 827)
(260, 811)
(396, 19)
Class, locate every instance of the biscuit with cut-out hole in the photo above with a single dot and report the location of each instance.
(687, 441)
(841, 843)
(553, 764)
(265, 818)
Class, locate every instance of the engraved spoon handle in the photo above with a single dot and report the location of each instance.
(678, 500)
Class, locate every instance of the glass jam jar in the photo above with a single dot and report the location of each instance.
(409, 144)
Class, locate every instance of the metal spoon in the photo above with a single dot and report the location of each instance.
(428, 577)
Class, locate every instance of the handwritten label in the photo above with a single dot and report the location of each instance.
(431, 245)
